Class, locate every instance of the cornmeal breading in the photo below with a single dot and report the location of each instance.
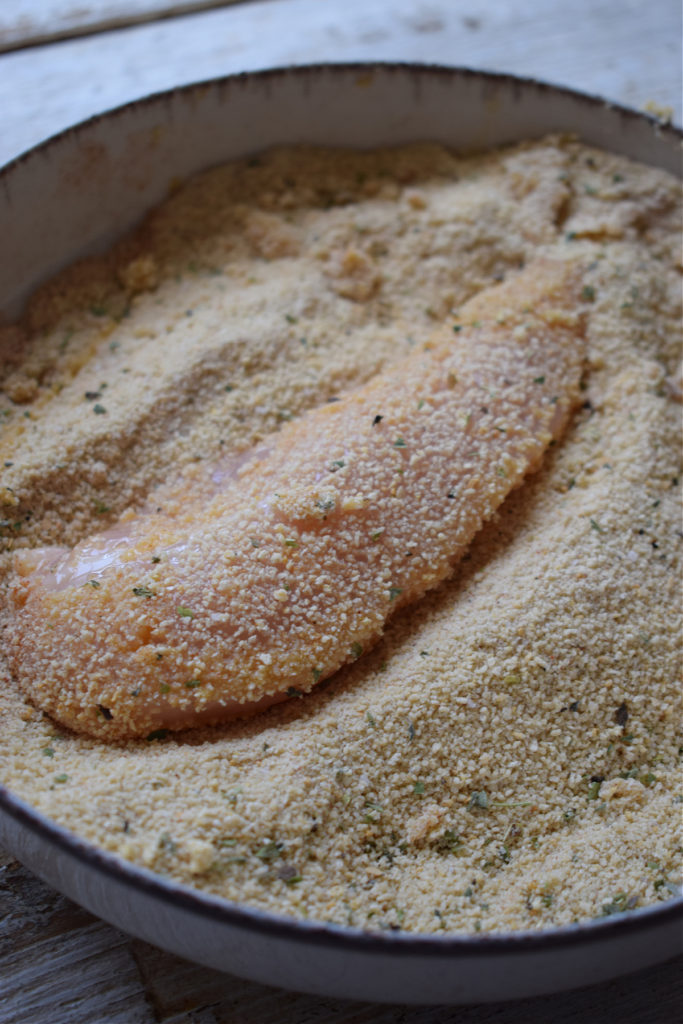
(508, 755)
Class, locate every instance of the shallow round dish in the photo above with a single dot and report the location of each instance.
(74, 195)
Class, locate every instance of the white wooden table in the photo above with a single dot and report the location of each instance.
(62, 61)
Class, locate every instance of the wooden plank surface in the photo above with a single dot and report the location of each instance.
(58, 964)
(624, 50)
(28, 22)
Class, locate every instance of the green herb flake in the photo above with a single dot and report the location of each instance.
(356, 649)
(457, 327)
(93, 583)
(372, 809)
(588, 293)
(596, 526)
(167, 843)
(619, 903)
(539, 380)
(98, 409)
(61, 778)
(143, 592)
(399, 443)
(370, 720)
(394, 592)
(101, 508)
(164, 688)
(316, 672)
(192, 684)
(593, 790)
(478, 801)
(418, 788)
(269, 851)
(449, 842)
(49, 751)
(185, 613)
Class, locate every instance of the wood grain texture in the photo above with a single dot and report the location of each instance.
(29, 22)
(621, 49)
(59, 964)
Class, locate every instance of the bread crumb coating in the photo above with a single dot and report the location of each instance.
(216, 605)
(508, 755)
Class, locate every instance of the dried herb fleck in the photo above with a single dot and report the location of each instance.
(621, 714)
(478, 801)
(269, 851)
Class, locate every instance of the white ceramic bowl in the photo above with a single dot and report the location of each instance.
(74, 195)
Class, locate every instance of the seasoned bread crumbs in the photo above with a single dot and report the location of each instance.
(508, 755)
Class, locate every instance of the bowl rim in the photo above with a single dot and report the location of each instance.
(253, 919)
(241, 915)
(501, 78)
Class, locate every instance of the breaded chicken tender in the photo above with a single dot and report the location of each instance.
(227, 600)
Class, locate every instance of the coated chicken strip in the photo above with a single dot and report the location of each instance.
(220, 605)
